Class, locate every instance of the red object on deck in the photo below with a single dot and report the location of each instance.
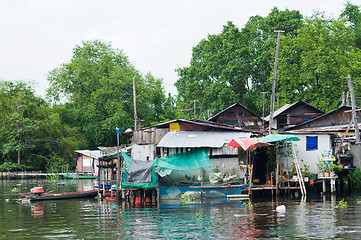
(37, 190)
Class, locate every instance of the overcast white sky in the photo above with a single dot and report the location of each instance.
(157, 35)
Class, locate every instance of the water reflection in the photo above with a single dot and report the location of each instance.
(37, 210)
(313, 217)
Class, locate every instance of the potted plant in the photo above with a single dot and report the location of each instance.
(327, 172)
(320, 168)
(307, 175)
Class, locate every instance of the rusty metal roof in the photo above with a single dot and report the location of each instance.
(212, 139)
(90, 153)
(327, 129)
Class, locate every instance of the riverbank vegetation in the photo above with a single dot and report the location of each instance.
(92, 93)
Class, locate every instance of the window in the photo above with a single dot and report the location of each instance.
(311, 143)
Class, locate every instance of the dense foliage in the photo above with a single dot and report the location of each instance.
(31, 133)
(314, 64)
(316, 55)
(235, 65)
(98, 84)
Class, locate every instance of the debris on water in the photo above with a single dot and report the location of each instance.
(138, 220)
(7, 200)
(281, 209)
(240, 215)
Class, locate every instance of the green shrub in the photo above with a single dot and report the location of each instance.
(355, 178)
(342, 204)
(9, 166)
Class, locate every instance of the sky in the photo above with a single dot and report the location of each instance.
(37, 36)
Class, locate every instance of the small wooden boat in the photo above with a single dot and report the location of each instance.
(76, 176)
(37, 194)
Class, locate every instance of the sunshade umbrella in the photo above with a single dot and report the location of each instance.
(275, 137)
(247, 143)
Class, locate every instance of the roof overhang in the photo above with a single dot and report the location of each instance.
(196, 139)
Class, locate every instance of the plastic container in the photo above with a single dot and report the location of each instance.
(37, 190)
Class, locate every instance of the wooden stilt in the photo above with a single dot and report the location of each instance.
(202, 193)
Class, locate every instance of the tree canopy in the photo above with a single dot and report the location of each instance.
(32, 133)
(98, 83)
(235, 65)
(314, 65)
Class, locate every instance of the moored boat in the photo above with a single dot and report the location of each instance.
(76, 176)
(38, 194)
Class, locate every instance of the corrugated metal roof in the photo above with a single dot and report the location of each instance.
(178, 139)
(336, 128)
(90, 153)
(216, 115)
(278, 111)
(288, 106)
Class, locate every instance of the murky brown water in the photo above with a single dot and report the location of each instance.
(210, 219)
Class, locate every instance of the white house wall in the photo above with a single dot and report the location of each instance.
(310, 158)
(143, 152)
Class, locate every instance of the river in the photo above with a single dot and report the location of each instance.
(315, 217)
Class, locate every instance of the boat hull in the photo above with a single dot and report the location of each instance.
(60, 196)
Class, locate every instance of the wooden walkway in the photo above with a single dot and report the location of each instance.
(6, 175)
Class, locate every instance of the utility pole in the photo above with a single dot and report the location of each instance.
(357, 163)
(135, 107)
(194, 101)
(118, 163)
(263, 93)
(274, 81)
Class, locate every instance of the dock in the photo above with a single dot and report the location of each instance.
(26, 174)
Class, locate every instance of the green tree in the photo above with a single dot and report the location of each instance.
(313, 66)
(235, 65)
(98, 84)
(31, 132)
(19, 111)
(352, 14)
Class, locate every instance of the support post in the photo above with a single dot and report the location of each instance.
(356, 161)
(118, 164)
(135, 107)
(202, 193)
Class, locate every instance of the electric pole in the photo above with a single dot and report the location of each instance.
(194, 101)
(263, 93)
(274, 81)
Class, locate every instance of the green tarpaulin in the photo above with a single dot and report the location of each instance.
(151, 184)
(194, 159)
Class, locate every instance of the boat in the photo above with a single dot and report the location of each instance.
(76, 176)
(38, 194)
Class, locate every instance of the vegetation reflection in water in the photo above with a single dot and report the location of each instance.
(217, 219)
